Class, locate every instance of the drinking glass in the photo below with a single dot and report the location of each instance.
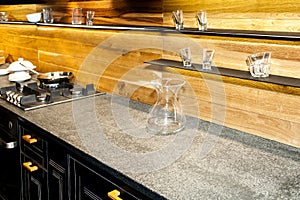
(77, 16)
(90, 17)
(178, 19)
(186, 56)
(3, 16)
(207, 58)
(202, 20)
(259, 64)
(47, 15)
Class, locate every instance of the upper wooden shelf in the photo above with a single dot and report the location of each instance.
(247, 34)
(273, 35)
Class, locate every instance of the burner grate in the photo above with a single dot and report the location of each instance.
(31, 96)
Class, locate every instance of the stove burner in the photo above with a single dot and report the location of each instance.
(41, 97)
(56, 85)
(50, 85)
(32, 96)
(76, 92)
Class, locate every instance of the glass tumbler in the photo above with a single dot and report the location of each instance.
(259, 64)
(166, 116)
(3, 17)
(77, 16)
(208, 55)
(48, 15)
(186, 56)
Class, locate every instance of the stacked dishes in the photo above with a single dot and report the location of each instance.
(19, 70)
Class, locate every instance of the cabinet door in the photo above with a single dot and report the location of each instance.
(57, 184)
(57, 171)
(87, 184)
(34, 181)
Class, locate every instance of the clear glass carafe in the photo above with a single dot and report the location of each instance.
(166, 116)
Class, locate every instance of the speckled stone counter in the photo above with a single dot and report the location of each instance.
(204, 161)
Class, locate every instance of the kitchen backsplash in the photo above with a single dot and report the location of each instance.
(246, 15)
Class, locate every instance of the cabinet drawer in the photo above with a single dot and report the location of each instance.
(88, 184)
(34, 156)
(34, 180)
(29, 165)
(32, 140)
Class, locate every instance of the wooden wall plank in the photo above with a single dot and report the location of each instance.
(267, 110)
(236, 14)
(248, 109)
(20, 41)
(232, 52)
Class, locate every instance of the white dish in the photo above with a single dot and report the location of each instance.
(34, 17)
(19, 77)
(3, 72)
(20, 65)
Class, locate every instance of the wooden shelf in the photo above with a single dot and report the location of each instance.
(273, 35)
(295, 36)
(274, 79)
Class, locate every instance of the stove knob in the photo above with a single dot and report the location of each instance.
(8, 95)
(11, 95)
(10, 125)
(18, 100)
(15, 98)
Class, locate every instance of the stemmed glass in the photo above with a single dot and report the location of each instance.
(90, 17)
(202, 20)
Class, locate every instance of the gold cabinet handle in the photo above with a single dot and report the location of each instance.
(114, 195)
(30, 168)
(28, 139)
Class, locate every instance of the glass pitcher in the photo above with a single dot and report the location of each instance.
(166, 116)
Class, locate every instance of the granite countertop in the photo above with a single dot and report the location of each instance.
(204, 161)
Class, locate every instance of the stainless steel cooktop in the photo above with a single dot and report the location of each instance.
(33, 96)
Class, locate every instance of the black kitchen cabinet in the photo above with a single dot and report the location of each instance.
(10, 170)
(94, 184)
(44, 165)
(34, 161)
(34, 180)
(57, 169)
(53, 169)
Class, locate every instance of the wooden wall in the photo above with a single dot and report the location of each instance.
(129, 12)
(20, 41)
(114, 60)
(268, 15)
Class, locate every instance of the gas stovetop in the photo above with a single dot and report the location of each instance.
(32, 96)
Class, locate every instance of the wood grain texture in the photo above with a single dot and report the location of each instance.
(18, 12)
(2, 57)
(267, 6)
(288, 22)
(132, 12)
(20, 41)
(238, 14)
(232, 52)
(249, 109)
(114, 61)
(266, 15)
